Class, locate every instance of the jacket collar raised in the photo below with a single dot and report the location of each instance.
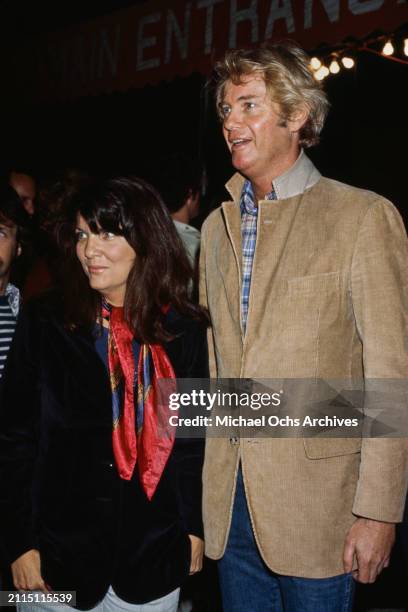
(301, 176)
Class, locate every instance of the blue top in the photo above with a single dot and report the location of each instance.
(101, 346)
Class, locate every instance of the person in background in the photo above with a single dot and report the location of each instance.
(13, 225)
(43, 272)
(305, 279)
(178, 181)
(97, 494)
(25, 185)
(13, 238)
(33, 273)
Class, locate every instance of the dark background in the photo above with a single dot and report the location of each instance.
(363, 143)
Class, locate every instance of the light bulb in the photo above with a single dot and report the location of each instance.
(388, 49)
(406, 46)
(322, 73)
(315, 63)
(347, 62)
(334, 67)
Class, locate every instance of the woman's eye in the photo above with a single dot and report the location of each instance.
(80, 235)
(249, 105)
(107, 235)
(225, 111)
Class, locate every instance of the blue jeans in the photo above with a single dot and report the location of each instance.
(248, 585)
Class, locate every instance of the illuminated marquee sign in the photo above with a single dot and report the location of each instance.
(148, 43)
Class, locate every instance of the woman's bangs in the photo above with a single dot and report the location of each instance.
(102, 215)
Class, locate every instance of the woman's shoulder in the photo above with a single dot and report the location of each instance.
(188, 350)
(179, 323)
(46, 312)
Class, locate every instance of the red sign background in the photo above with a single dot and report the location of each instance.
(146, 44)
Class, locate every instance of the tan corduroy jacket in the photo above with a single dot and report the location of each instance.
(329, 298)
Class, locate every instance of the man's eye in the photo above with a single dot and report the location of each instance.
(3, 234)
(249, 105)
(225, 111)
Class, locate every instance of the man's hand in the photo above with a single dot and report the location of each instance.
(26, 572)
(197, 551)
(371, 543)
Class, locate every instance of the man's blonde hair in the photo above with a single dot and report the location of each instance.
(288, 78)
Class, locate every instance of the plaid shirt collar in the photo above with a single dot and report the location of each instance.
(248, 202)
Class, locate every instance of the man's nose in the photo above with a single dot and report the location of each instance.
(233, 120)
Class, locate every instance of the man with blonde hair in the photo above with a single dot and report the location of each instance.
(304, 278)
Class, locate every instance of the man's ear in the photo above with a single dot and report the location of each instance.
(189, 195)
(298, 119)
(191, 199)
(193, 203)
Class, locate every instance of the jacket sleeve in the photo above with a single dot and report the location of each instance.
(379, 290)
(189, 452)
(19, 424)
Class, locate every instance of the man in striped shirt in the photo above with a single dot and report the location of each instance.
(13, 221)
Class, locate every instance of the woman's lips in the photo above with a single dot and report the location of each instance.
(96, 269)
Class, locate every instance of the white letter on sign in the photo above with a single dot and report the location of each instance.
(209, 22)
(111, 55)
(280, 12)
(143, 43)
(248, 14)
(332, 8)
(358, 7)
(172, 27)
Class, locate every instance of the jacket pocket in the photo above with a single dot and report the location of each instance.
(323, 448)
(313, 284)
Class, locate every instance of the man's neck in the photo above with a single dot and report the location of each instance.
(262, 185)
(181, 215)
(3, 285)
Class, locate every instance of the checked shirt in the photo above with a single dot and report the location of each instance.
(249, 219)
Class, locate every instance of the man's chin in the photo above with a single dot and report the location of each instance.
(241, 165)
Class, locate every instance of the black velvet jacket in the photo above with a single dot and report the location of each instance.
(59, 488)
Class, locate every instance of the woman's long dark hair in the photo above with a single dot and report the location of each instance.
(161, 274)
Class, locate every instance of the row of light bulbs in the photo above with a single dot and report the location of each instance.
(321, 71)
(388, 48)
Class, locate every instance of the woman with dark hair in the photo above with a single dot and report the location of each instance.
(96, 494)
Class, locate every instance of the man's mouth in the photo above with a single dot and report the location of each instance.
(237, 143)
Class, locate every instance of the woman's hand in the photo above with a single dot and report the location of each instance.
(26, 572)
(197, 551)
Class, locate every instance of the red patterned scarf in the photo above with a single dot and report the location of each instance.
(144, 435)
